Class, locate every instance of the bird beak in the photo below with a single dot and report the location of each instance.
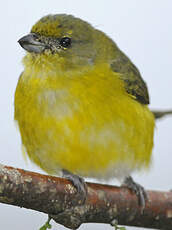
(31, 44)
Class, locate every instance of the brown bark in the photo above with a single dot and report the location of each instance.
(58, 198)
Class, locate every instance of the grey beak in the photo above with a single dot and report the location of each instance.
(30, 43)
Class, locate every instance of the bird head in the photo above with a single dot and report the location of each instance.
(70, 40)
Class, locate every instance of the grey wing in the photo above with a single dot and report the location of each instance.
(133, 81)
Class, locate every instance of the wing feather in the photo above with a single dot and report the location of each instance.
(133, 81)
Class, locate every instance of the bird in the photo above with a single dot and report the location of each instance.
(81, 105)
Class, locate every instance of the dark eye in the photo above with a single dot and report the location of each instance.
(65, 42)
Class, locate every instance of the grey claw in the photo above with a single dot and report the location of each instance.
(78, 183)
(137, 189)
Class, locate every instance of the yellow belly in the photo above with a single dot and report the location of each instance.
(85, 123)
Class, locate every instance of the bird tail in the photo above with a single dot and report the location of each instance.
(158, 114)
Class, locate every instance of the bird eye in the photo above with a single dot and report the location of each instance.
(65, 42)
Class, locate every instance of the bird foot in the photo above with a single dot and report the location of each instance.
(137, 189)
(73, 217)
(78, 182)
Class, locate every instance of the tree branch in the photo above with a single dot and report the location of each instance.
(58, 198)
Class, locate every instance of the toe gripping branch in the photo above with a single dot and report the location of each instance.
(138, 190)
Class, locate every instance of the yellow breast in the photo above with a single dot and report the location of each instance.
(84, 122)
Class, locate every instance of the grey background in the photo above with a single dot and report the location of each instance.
(142, 29)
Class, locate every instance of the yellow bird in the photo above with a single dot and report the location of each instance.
(81, 104)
